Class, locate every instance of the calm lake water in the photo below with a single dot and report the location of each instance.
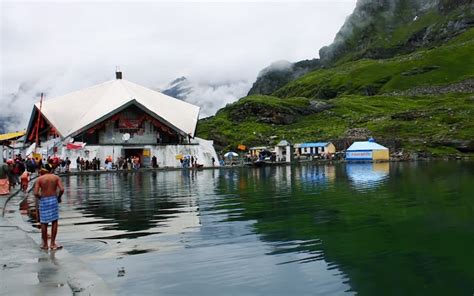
(366, 229)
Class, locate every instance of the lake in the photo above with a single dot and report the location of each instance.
(366, 229)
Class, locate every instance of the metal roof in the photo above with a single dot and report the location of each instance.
(317, 144)
(259, 148)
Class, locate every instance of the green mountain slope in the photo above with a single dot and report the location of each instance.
(380, 29)
(435, 124)
(443, 65)
(418, 99)
(385, 28)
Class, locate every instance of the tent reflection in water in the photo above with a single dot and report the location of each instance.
(367, 175)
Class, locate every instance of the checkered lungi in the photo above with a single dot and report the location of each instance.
(48, 208)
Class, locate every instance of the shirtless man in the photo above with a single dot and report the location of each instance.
(46, 190)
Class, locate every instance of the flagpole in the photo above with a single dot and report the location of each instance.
(38, 123)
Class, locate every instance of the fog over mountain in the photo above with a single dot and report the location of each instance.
(60, 47)
(210, 97)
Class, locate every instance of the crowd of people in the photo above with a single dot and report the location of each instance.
(18, 171)
(121, 163)
(86, 165)
(128, 163)
(189, 161)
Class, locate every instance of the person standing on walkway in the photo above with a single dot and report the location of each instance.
(24, 179)
(46, 190)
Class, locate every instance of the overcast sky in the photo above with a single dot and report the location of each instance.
(58, 47)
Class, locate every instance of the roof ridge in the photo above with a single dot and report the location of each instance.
(76, 91)
(98, 100)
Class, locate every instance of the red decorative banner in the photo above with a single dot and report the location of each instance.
(125, 123)
(75, 146)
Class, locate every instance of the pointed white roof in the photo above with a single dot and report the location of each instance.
(73, 112)
(366, 145)
(283, 143)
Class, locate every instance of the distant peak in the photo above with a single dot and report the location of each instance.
(179, 80)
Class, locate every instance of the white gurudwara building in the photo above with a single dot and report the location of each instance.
(116, 119)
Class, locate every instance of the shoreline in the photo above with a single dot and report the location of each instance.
(247, 165)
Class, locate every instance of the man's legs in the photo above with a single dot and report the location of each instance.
(44, 235)
(54, 232)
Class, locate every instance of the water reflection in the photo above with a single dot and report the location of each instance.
(355, 228)
(48, 271)
(367, 175)
(320, 175)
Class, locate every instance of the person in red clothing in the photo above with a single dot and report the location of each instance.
(24, 180)
(4, 182)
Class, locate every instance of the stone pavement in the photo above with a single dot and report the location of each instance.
(25, 269)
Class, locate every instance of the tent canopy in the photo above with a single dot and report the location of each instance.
(283, 143)
(366, 145)
(231, 154)
(11, 136)
(73, 112)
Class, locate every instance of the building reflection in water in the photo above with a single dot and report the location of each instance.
(317, 174)
(129, 205)
(366, 176)
(277, 179)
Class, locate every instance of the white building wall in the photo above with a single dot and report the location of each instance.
(165, 154)
(203, 150)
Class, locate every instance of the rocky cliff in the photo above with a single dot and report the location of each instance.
(380, 29)
(280, 73)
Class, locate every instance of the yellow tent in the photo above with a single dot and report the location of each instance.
(11, 136)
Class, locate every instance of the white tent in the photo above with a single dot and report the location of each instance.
(366, 145)
(75, 112)
(367, 150)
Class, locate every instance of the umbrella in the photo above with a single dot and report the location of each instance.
(231, 154)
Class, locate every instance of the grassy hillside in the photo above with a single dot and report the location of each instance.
(420, 123)
(443, 65)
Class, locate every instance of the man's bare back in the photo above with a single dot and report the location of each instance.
(47, 185)
(46, 190)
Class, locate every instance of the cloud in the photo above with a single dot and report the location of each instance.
(59, 47)
(276, 66)
(209, 96)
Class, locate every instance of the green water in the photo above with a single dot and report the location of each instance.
(383, 229)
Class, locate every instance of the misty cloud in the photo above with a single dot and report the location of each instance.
(276, 66)
(56, 48)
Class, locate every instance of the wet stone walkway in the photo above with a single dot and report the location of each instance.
(25, 269)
